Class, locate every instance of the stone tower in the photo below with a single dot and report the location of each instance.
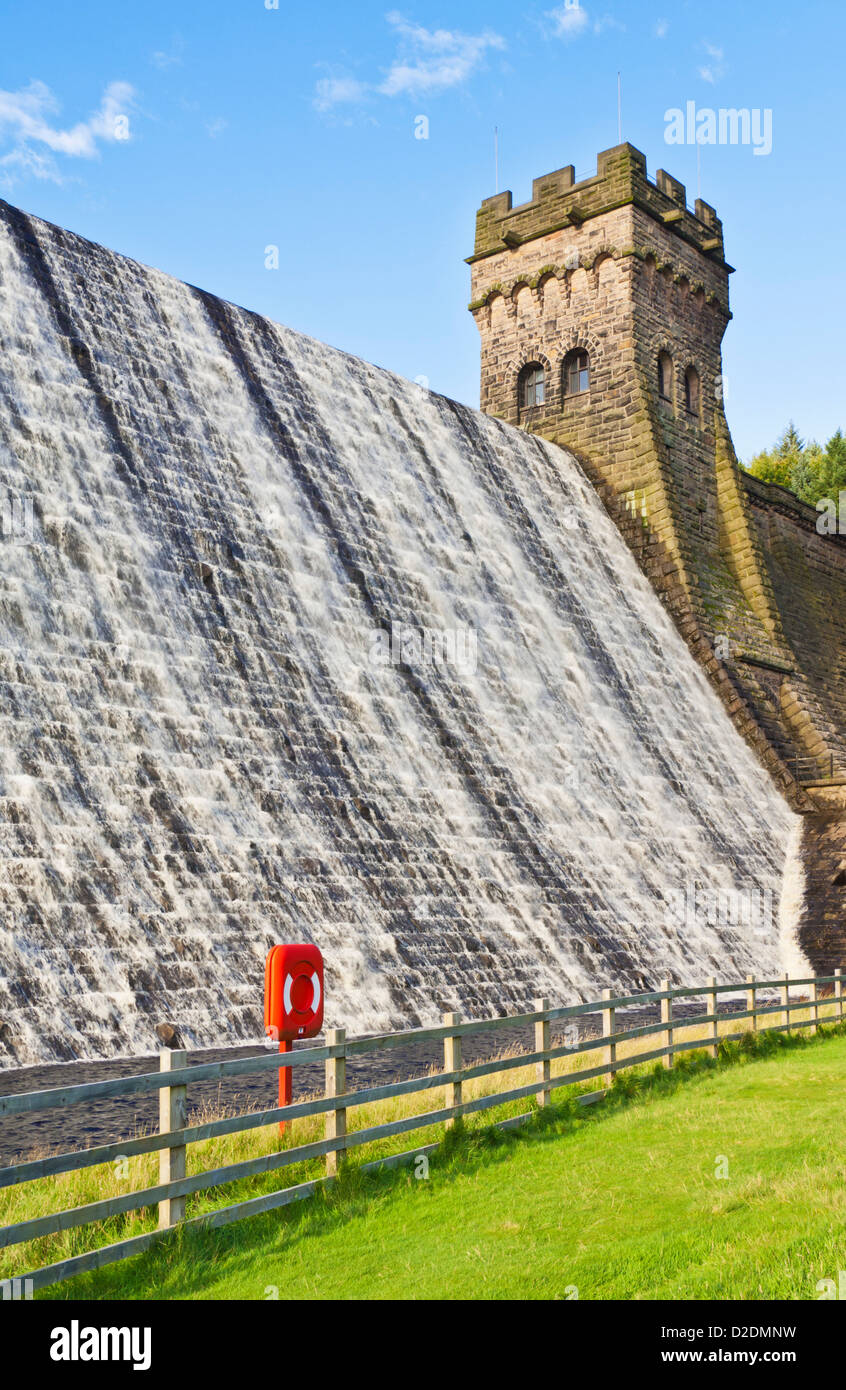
(617, 267)
(601, 307)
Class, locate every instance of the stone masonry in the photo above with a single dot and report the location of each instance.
(618, 267)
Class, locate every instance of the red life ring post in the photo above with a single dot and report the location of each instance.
(293, 1003)
(285, 1082)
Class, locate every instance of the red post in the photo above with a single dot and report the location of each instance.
(285, 1086)
(293, 1003)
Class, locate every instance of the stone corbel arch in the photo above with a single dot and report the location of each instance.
(521, 283)
(593, 262)
(599, 253)
(547, 275)
(482, 310)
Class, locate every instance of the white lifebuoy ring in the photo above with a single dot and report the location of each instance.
(286, 993)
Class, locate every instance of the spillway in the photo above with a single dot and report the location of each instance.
(291, 648)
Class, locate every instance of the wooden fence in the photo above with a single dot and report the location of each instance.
(175, 1075)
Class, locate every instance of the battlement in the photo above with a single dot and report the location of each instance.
(558, 201)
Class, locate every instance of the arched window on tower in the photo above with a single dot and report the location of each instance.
(576, 372)
(665, 376)
(691, 391)
(532, 384)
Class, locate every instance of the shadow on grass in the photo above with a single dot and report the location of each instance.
(183, 1264)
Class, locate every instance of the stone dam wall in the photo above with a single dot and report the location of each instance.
(291, 648)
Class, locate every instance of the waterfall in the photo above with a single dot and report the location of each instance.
(295, 649)
(793, 887)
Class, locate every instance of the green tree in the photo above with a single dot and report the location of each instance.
(809, 471)
(833, 472)
(775, 465)
(805, 471)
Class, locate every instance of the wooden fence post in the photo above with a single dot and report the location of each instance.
(666, 1017)
(712, 1009)
(608, 1029)
(543, 1070)
(452, 1062)
(173, 1114)
(752, 997)
(785, 1002)
(751, 1000)
(815, 1008)
(838, 996)
(336, 1085)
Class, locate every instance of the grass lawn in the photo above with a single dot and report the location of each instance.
(714, 1181)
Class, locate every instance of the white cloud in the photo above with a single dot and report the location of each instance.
(427, 60)
(25, 162)
(568, 20)
(167, 60)
(25, 124)
(661, 29)
(713, 71)
(434, 59)
(331, 91)
(216, 127)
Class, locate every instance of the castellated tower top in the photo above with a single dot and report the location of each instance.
(595, 293)
(558, 202)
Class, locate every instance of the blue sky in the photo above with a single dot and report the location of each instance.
(195, 135)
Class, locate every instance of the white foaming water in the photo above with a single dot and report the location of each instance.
(793, 959)
(203, 752)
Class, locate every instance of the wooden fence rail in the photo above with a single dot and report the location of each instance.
(176, 1135)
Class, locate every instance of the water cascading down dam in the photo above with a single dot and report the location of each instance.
(292, 648)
